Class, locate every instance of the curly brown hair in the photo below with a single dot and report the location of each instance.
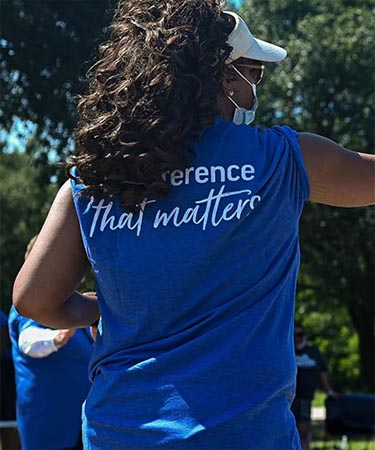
(151, 93)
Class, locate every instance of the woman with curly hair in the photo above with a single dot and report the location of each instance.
(189, 219)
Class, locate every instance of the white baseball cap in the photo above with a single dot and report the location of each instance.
(245, 45)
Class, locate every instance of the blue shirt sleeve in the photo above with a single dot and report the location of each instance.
(24, 323)
(297, 162)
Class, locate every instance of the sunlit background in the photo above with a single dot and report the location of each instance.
(325, 86)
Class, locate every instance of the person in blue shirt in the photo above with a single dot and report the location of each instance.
(52, 382)
(189, 218)
(51, 368)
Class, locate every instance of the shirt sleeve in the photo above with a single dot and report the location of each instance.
(37, 342)
(296, 177)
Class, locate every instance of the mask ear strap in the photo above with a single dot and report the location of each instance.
(233, 101)
(242, 76)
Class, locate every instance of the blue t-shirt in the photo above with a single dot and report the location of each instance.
(50, 390)
(195, 347)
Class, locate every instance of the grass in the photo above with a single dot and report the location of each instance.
(333, 445)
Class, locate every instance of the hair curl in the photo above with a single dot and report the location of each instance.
(151, 93)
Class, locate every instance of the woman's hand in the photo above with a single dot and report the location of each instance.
(63, 337)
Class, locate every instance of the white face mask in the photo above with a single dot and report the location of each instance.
(243, 115)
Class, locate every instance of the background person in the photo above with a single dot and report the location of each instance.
(51, 368)
(191, 270)
(311, 369)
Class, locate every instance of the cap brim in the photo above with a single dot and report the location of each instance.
(264, 51)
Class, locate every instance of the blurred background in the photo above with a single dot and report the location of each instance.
(325, 86)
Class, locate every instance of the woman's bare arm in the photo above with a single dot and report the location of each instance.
(337, 176)
(44, 289)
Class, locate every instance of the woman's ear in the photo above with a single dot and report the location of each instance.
(229, 82)
(228, 87)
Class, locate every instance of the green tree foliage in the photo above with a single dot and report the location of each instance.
(47, 48)
(325, 86)
(24, 199)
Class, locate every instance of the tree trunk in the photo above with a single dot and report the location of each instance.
(362, 315)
